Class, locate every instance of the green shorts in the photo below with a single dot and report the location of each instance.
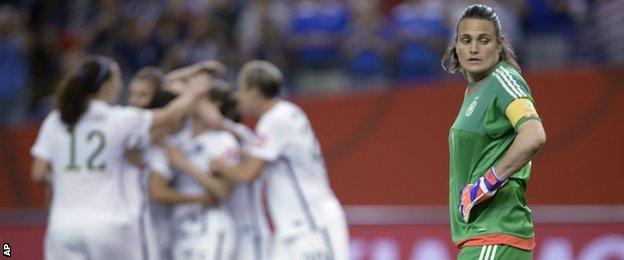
(493, 252)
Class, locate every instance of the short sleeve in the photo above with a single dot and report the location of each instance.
(43, 144)
(272, 135)
(514, 97)
(137, 123)
(232, 149)
(157, 161)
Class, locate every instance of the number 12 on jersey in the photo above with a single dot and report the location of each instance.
(93, 136)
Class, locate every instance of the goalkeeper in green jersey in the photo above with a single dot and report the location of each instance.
(492, 141)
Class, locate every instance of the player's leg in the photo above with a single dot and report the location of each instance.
(493, 252)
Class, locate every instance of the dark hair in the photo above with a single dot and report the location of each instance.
(77, 88)
(161, 99)
(450, 61)
(153, 75)
(222, 93)
(264, 76)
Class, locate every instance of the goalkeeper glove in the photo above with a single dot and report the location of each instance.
(481, 190)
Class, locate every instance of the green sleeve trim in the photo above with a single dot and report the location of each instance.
(525, 119)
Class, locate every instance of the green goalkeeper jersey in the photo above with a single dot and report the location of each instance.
(478, 139)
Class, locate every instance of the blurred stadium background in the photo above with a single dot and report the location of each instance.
(367, 72)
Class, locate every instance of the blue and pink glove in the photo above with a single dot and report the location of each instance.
(481, 190)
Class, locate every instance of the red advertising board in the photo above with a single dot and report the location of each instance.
(413, 242)
(554, 242)
(580, 232)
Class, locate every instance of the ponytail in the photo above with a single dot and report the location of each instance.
(76, 90)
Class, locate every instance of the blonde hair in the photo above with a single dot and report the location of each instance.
(263, 75)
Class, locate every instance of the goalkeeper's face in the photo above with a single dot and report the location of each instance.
(478, 48)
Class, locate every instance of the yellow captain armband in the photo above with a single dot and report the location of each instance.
(519, 110)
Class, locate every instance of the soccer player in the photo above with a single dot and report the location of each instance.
(204, 231)
(151, 165)
(244, 202)
(80, 151)
(145, 86)
(492, 141)
(308, 220)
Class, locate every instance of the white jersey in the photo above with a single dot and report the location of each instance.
(298, 194)
(94, 204)
(88, 164)
(196, 222)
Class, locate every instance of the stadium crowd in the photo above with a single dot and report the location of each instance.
(324, 46)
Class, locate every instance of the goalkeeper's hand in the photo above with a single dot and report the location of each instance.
(481, 190)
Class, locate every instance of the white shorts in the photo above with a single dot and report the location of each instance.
(214, 240)
(94, 241)
(212, 246)
(328, 242)
(250, 245)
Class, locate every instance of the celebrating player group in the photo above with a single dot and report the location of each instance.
(176, 175)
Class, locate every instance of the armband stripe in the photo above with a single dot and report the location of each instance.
(520, 108)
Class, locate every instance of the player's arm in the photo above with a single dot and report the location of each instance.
(41, 152)
(40, 170)
(220, 187)
(528, 141)
(135, 157)
(270, 142)
(160, 191)
(198, 85)
(211, 67)
(531, 137)
(247, 171)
